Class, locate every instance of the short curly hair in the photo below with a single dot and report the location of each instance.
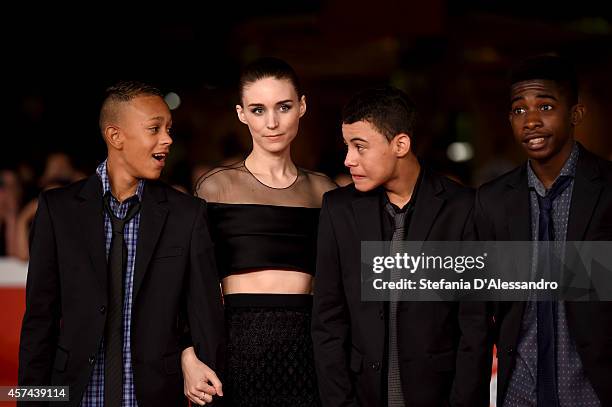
(548, 67)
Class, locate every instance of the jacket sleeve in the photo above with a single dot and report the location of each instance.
(41, 322)
(483, 226)
(475, 349)
(330, 319)
(204, 308)
(474, 356)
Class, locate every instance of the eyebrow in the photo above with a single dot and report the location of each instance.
(538, 96)
(546, 96)
(278, 103)
(358, 139)
(156, 118)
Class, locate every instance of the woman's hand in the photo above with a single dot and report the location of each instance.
(200, 382)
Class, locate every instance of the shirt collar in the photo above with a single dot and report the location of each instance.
(103, 175)
(410, 205)
(569, 170)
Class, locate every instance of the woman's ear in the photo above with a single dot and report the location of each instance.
(302, 105)
(240, 114)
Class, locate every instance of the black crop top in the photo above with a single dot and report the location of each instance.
(253, 236)
(255, 226)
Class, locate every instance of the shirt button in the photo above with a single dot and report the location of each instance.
(102, 309)
(376, 366)
(381, 314)
(92, 360)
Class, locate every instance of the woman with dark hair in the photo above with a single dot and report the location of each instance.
(263, 216)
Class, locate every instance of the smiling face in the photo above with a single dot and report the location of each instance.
(272, 111)
(140, 136)
(370, 157)
(543, 119)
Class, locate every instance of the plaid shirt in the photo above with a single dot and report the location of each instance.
(94, 394)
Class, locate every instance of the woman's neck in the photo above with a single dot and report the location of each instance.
(273, 169)
(276, 165)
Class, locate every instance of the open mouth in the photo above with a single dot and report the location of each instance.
(160, 156)
(535, 142)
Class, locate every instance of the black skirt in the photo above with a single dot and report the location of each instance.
(269, 354)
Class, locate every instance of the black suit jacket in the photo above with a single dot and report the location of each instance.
(502, 213)
(435, 340)
(176, 297)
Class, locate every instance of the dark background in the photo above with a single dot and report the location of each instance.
(452, 57)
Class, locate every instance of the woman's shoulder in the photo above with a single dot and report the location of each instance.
(212, 184)
(320, 182)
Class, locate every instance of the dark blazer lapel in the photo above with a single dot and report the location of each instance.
(428, 203)
(516, 202)
(367, 212)
(153, 215)
(587, 189)
(91, 220)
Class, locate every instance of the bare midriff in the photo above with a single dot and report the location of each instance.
(268, 282)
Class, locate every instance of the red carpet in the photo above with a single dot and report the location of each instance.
(12, 306)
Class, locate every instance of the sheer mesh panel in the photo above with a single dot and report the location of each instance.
(235, 184)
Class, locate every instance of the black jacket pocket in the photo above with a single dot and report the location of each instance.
(168, 252)
(61, 359)
(444, 361)
(172, 363)
(356, 361)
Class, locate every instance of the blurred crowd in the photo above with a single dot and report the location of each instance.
(19, 189)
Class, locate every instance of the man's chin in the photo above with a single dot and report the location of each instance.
(150, 175)
(549, 152)
(542, 155)
(362, 186)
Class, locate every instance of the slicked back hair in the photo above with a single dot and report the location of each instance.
(268, 67)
